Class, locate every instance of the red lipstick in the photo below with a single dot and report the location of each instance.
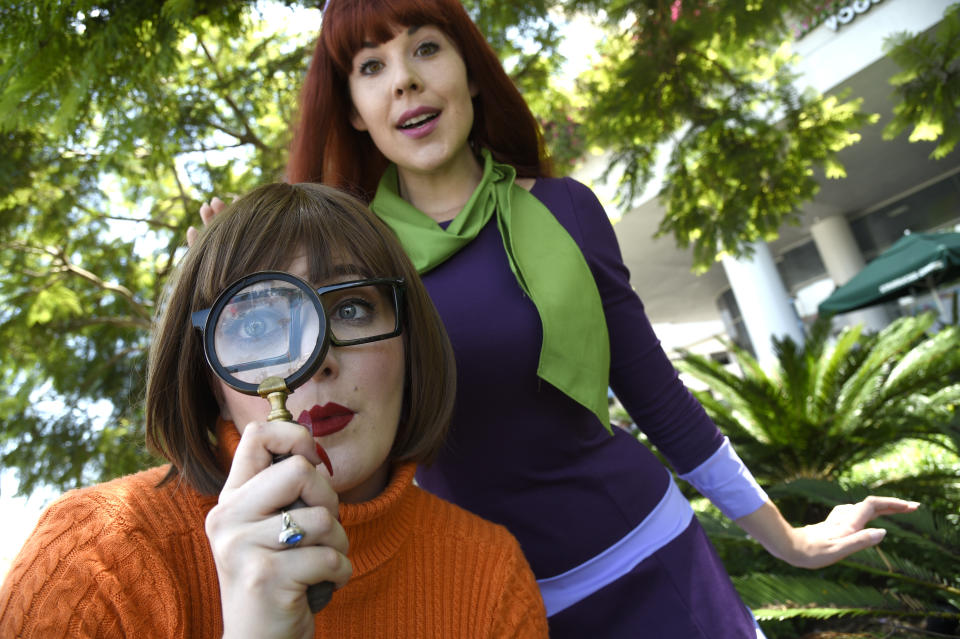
(327, 419)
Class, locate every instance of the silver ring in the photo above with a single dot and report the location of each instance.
(290, 533)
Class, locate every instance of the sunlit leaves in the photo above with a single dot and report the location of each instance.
(928, 87)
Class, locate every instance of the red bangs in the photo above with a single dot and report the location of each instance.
(362, 21)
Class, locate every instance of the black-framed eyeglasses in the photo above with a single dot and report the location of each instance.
(274, 324)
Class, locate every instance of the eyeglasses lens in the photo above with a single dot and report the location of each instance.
(360, 312)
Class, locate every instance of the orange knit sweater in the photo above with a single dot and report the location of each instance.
(126, 559)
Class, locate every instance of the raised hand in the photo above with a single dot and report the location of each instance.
(207, 211)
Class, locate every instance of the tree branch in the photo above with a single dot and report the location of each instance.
(147, 221)
(65, 265)
(249, 136)
(120, 322)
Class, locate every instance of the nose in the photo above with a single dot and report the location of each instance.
(330, 366)
(406, 80)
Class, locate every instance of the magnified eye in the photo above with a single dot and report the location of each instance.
(257, 324)
(254, 325)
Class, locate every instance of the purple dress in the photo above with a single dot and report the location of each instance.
(611, 540)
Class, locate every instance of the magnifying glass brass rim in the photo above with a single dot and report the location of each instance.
(293, 380)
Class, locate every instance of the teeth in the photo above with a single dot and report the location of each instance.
(417, 120)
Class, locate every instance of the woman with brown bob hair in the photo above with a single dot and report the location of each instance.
(180, 417)
(232, 538)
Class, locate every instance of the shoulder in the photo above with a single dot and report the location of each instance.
(578, 210)
(94, 543)
(134, 502)
(484, 552)
(572, 202)
(115, 516)
(461, 526)
(474, 544)
(563, 187)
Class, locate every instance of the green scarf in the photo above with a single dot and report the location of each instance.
(548, 265)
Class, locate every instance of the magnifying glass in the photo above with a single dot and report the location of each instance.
(265, 335)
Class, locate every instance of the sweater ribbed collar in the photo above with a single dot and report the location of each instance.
(376, 528)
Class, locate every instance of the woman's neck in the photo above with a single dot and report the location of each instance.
(442, 194)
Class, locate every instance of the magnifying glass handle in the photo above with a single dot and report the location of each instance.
(275, 390)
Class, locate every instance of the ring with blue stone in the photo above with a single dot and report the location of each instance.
(290, 533)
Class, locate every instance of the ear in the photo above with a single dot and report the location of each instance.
(474, 89)
(356, 120)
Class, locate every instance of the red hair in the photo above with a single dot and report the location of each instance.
(326, 148)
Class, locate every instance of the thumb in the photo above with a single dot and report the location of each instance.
(191, 236)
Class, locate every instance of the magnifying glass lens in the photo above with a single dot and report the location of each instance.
(268, 328)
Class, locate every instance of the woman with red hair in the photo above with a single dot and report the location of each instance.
(407, 106)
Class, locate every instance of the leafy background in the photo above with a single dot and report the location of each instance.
(118, 118)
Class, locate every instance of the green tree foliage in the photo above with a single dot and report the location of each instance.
(928, 87)
(831, 405)
(709, 83)
(105, 159)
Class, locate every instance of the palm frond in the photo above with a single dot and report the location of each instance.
(889, 564)
(717, 526)
(892, 340)
(918, 362)
(828, 375)
(780, 597)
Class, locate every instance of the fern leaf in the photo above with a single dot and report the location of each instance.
(781, 593)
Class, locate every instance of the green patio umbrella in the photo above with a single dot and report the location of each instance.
(915, 260)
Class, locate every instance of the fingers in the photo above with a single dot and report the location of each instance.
(854, 542)
(308, 565)
(318, 524)
(263, 582)
(858, 515)
(261, 441)
(889, 505)
(278, 486)
(208, 210)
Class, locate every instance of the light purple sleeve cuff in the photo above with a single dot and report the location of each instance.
(727, 482)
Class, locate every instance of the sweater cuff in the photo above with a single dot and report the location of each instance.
(727, 482)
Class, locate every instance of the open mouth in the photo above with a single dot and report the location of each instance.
(419, 120)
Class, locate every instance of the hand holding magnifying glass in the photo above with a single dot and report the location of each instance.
(265, 335)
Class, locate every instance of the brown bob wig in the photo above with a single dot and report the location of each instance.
(326, 148)
(263, 230)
